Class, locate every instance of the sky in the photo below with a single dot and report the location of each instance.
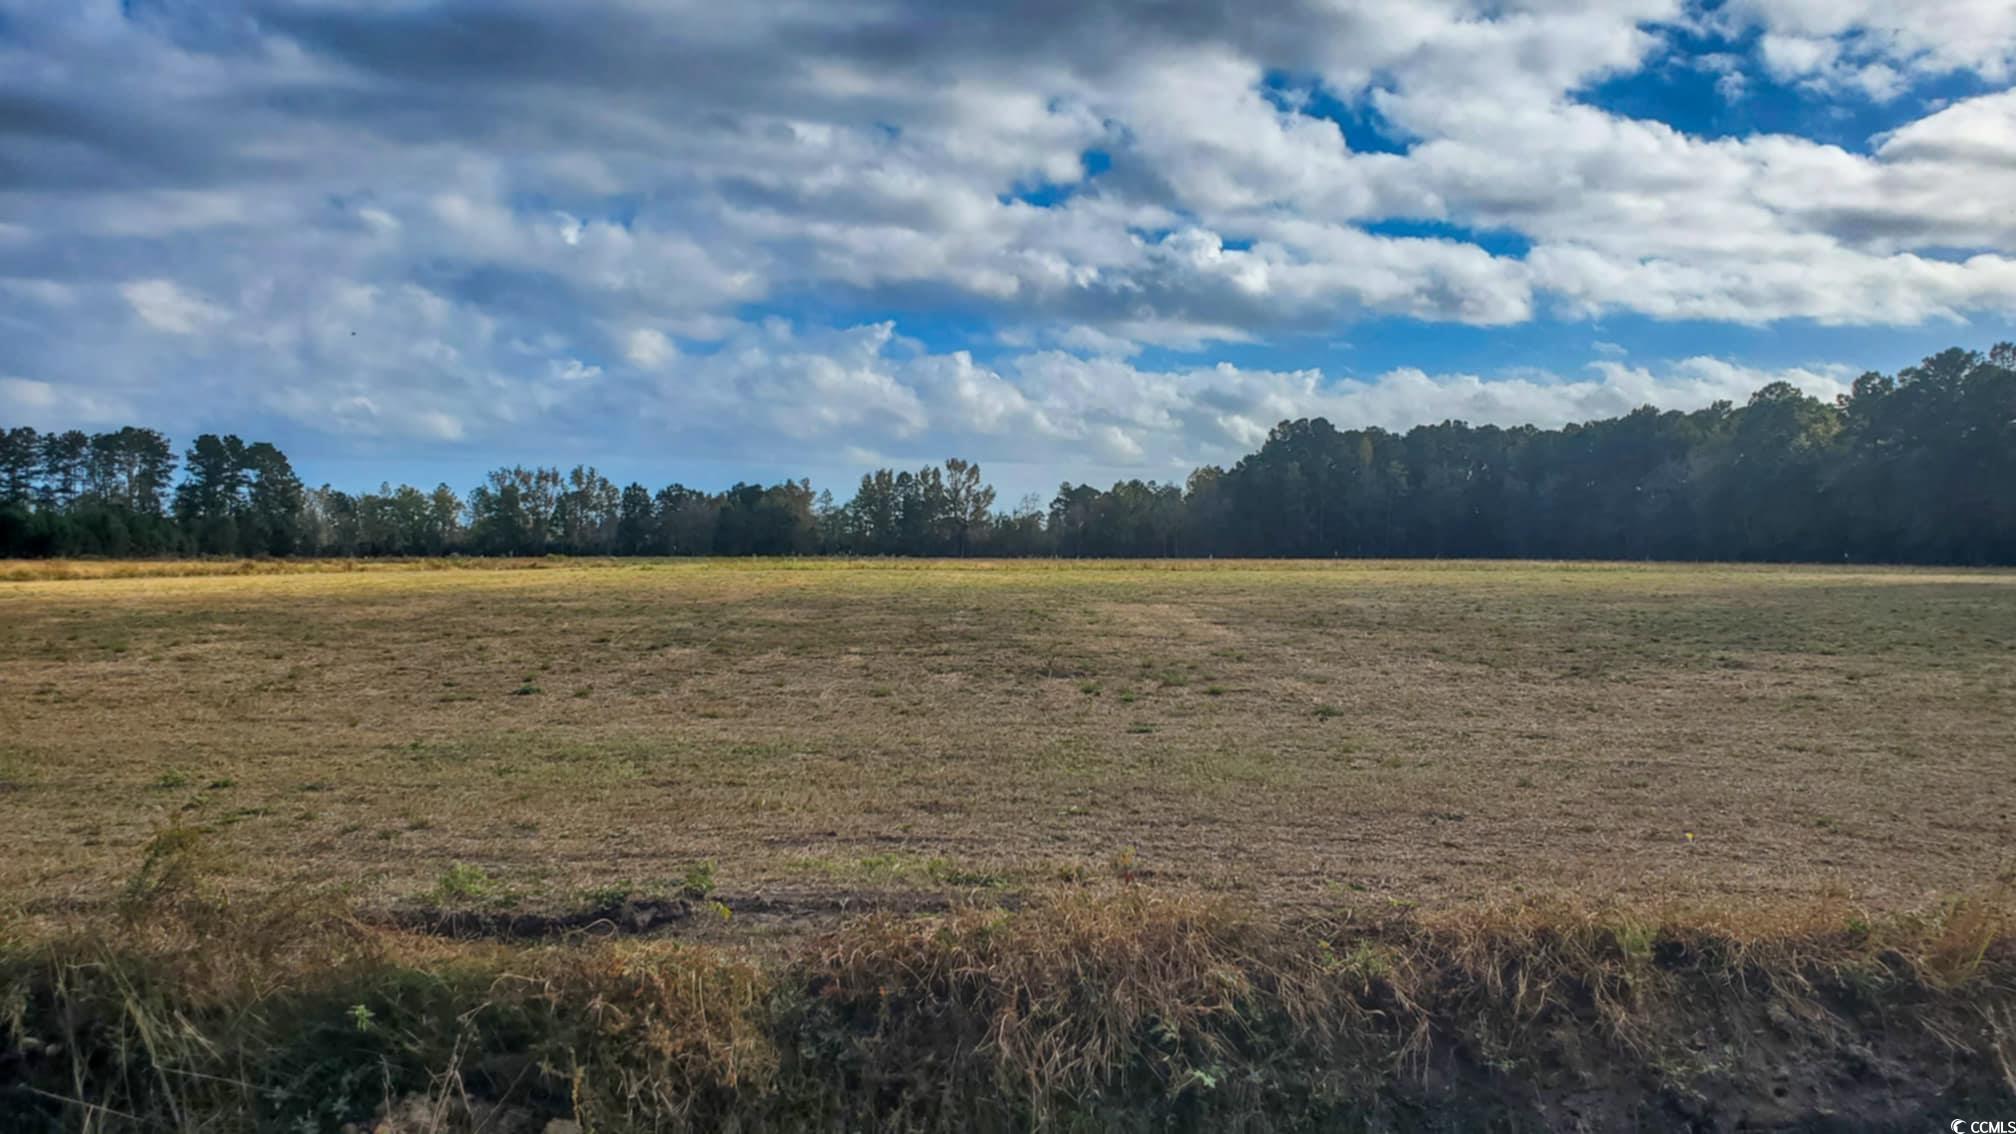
(1069, 239)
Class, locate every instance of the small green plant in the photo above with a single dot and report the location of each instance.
(1126, 865)
(699, 880)
(609, 894)
(1089, 688)
(361, 1017)
(1369, 961)
(170, 780)
(1634, 939)
(462, 882)
(526, 690)
(1327, 712)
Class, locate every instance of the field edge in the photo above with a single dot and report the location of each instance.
(1126, 1010)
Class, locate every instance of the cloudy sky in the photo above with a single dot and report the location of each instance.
(1068, 238)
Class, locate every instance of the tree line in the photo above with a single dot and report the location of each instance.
(1916, 467)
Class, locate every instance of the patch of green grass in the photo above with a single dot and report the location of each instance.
(1634, 938)
(698, 881)
(15, 771)
(462, 882)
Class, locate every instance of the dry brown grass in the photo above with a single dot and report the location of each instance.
(1301, 735)
(1133, 1011)
(53, 570)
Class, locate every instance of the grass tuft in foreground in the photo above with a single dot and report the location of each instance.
(1123, 1011)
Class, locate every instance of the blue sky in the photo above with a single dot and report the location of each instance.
(1089, 240)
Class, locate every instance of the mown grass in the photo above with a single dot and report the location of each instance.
(1438, 733)
(861, 845)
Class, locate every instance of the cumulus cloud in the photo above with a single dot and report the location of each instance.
(165, 306)
(1867, 43)
(477, 219)
(59, 407)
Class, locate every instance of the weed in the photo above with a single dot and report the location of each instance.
(699, 880)
(1125, 864)
(462, 882)
(1634, 939)
(173, 866)
(608, 894)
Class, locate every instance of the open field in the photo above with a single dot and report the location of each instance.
(1298, 733)
(1004, 846)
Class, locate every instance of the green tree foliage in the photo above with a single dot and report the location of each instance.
(1913, 467)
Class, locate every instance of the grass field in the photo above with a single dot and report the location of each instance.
(1295, 732)
(1154, 845)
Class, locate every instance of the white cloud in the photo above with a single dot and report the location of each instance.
(165, 306)
(867, 388)
(45, 404)
(26, 394)
(1977, 132)
(540, 240)
(648, 348)
(573, 370)
(1835, 41)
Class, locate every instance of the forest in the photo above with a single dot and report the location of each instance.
(1916, 467)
